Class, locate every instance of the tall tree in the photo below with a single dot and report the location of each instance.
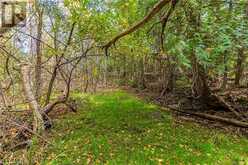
(38, 65)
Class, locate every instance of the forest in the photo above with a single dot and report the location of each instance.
(123, 82)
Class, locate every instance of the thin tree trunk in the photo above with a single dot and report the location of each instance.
(56, 67)
(225, 57)
(86, 81)
(3, 100)
(169, 77)
(38, 66)
(225, 75)
(105, 71)
(239, 67)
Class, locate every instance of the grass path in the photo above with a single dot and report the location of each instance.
(117, 128)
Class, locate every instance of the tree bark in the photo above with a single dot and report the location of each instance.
(225, 75)
(225, 57)
(33, 104)
(3, 100)
(239, 67)
(200, 87)
(38, 66)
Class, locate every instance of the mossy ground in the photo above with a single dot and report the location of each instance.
(117, 128)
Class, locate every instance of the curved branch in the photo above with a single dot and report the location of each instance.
(157, 7)
(165, 19)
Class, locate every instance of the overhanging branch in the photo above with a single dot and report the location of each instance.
(157, 7)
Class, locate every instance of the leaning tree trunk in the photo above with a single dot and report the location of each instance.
(33, 104)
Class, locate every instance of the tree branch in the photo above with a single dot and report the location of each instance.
(157, 7)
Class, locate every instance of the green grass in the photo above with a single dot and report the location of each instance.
(117, 128)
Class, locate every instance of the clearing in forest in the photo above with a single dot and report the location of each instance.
(117, 128)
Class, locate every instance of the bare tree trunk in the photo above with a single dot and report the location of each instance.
(124, 71)
(105, 71)
(239, 67)
(170, 77)
(3, 100)
(241, 57)
(225, 75)
(225, 57)
(33, 104)
(142, 83)
(38, 66)
(86, 76)
(50, 86)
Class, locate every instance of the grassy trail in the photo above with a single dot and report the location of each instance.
(117, 128)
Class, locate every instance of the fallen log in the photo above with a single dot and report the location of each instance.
(229, 107)
(209, 117)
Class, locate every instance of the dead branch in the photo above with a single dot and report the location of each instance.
(229, 107)
(28, 129)
(209, 117)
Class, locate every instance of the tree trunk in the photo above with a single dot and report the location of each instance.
(225, 57)
(3, 100)
(200, 87)
(225, 75)
(58, 61)
(105, 71)
(38, 66)
(239, 67)
(169, 79)
(51, 83)
(33, 104)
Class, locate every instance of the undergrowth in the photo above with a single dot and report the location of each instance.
(117, 128)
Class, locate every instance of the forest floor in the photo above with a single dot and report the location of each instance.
(116, 127)
(180, 99)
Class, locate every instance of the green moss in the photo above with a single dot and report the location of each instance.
(116, 128)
